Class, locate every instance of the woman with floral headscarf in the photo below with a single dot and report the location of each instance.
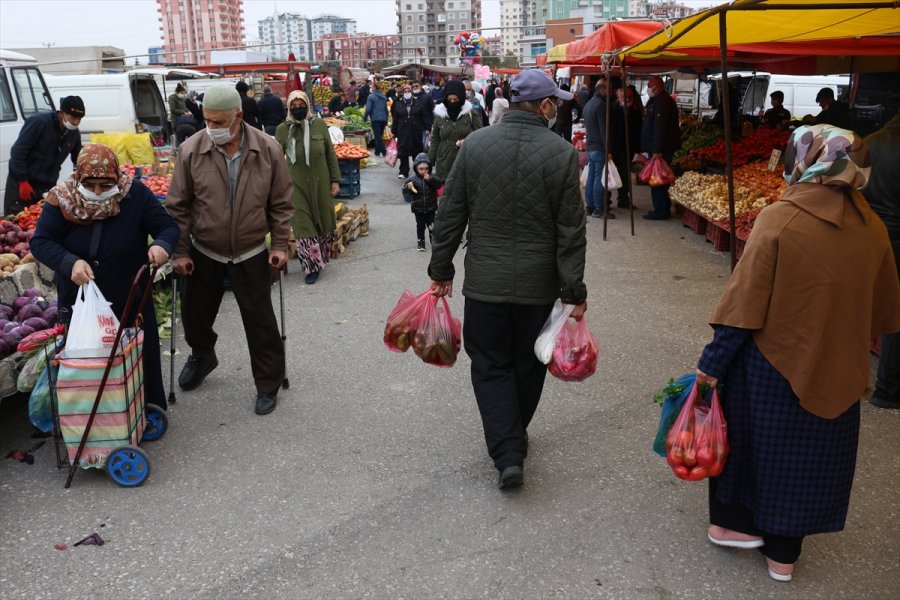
(94, 226)
(792, 330)
(316, 176)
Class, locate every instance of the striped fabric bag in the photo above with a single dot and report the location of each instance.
(120, 416)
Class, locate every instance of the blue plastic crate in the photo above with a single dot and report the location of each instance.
(350, 189)
(348, 166)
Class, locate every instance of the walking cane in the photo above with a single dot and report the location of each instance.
(286, 383)
(172, 340)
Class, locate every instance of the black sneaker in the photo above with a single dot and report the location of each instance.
(265, 403)
(588, 211)
(195, 370)
(511, 477)
(882, 402)
(609, 215)
(421, 245)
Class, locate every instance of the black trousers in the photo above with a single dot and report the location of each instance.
(506, 375)
(403, 163)
(423, 221)
(251, 284)
(779, 548)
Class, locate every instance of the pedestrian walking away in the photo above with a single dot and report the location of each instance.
(660, 137)
(500, 107)
(37, 155)
(316, 179)
(94, 227)
(515, 185)
(595, 194)
(408, 127)
(230, 189)
(377, 112)
(272, 111)
(421, 190)
(249, 106)
(883, 195)
(453, 121)
(791, 347)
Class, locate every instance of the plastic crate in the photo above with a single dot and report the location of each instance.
(350, 189)
(694, 221)
(718, 237)
(348, 166)
(739, 247)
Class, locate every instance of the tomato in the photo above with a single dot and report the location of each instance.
(705, 457)
(677, 454)
(716, 468)
(684, 439)
(674, 461)
(690, 457)
(698, 474)
(681, 473)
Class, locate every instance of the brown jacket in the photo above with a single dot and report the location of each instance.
(817, 281)
(198, 197)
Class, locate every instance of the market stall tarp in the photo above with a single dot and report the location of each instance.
(461, 70)
(609, 38)
(761, 31)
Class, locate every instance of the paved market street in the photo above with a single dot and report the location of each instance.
(371, 479)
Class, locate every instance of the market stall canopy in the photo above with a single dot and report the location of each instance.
(613, 36)
(801, 34)
(462, 69)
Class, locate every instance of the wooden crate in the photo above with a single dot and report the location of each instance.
(357, 140)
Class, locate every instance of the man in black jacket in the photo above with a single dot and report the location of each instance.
(249, 105)
(660, 137)
(883, 194)
(515, 185)
(44, 142)
(272, 111)
(594, 117)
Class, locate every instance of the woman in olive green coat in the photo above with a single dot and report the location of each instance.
(454, 119)
(316, 176)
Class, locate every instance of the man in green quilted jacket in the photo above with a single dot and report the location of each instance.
(515, 186)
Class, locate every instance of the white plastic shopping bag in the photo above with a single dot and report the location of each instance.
(584, 176)
(93, 328)
(615, 181)
(546, 341)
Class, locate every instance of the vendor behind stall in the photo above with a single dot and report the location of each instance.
(778, 116)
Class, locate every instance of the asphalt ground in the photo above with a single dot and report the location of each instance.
(371, 479)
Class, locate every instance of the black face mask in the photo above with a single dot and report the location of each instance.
(299, 114)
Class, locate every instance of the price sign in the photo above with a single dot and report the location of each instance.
(773, 160)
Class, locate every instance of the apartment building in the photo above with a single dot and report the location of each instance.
(358, 50)
(427, 28)
(286, 33)
(192, 28)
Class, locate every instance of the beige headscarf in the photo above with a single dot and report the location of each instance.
(291, 150)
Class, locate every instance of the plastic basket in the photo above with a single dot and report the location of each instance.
(694, 221)
(718, 237)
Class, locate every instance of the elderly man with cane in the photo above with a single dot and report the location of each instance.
(231, 187)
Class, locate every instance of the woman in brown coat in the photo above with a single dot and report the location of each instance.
(792, 332)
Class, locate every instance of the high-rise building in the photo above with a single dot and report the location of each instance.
(192, 28)
(357, 51)
(638, 9)
(427, 28)
(513, 16)
(284, 34)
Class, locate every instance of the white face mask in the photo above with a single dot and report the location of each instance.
(182, 96)
(407, 96)
(220, 137)
(90, 196)
(552, 120)
(68, 125)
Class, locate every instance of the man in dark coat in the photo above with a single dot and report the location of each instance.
(564, 118)
(883, 194)
(595, 126)
(834, 112)
(249, 105)
(44, 142)
(272, 111)
(408, 126)
(515, 186)
(427, 103)
(363, 95)
(660, 137)
(338, 103)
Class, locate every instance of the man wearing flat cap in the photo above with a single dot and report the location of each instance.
(44, 142)
(230, 189)
(515, 186)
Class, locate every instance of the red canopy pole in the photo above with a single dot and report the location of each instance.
(726, 112)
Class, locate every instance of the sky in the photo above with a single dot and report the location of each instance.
(35, 23)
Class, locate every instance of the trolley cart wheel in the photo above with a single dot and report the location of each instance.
(157, 423)
(128, 466)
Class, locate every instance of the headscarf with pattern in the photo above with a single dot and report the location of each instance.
(291, 149)
(96, 161)
(827, 155)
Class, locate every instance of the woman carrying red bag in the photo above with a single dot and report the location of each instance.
(817, 281)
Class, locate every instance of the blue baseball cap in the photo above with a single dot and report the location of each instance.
(534, 84)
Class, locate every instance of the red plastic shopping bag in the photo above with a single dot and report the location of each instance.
(697, 445)
(657, 172)
(576, 352)
(398, 331)
(438, 335)
(390, 158)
